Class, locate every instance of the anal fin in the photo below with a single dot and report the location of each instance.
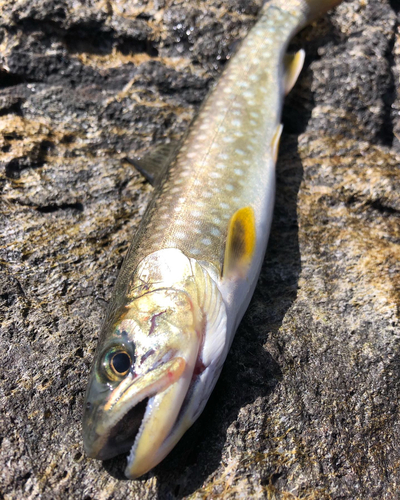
(240, 243)
(276, 139)
(293, 66)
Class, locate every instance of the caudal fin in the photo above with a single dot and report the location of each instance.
(318, 7)
(306, 9)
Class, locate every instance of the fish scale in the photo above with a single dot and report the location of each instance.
(193, 265)
(226, 162)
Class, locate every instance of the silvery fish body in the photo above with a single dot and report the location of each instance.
(193, 265)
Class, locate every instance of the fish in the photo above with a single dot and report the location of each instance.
(192, 267)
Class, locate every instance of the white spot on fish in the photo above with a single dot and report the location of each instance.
(215, 231)
(194, 251)
(228, 138)
(220, 166)
(236, 123)
(215, 175)
(192, 154)
(206, 241)
(180, 235)
(238, 171)
(240, 152)
(229, 187)
(224, 205)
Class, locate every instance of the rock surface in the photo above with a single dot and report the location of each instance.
(307, 404)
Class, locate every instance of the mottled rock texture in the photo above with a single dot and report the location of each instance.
(307, 404)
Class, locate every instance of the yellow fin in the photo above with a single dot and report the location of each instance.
(276, 139)
(293, 66)
(240, 243)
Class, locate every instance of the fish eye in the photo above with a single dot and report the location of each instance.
(120, 363)
(116, 363)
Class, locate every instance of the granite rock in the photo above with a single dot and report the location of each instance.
(307, 404)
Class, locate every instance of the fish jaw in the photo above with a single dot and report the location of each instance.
(173, 329)
(113, 426)
(161, 415)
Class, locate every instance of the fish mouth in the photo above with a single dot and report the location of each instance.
(138, 417)
(122, 435)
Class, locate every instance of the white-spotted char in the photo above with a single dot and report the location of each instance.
(193, 265)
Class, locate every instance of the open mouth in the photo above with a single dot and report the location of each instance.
(138, 417)
(122, 435)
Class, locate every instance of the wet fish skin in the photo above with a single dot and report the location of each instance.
(193, 265)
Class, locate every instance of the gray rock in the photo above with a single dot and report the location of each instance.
(306, 406)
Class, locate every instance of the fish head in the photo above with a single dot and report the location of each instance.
(144, 367)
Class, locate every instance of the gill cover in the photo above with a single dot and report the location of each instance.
(156, 369)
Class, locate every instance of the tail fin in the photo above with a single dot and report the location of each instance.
(316, 8)
(307, 9)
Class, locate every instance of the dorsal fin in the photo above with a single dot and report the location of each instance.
(240, 243)
(293, 66)
(153, 166)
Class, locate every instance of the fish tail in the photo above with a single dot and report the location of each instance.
(318, 7)
(308, 9)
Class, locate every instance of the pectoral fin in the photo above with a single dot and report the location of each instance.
(293, 66)
(240, 243)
